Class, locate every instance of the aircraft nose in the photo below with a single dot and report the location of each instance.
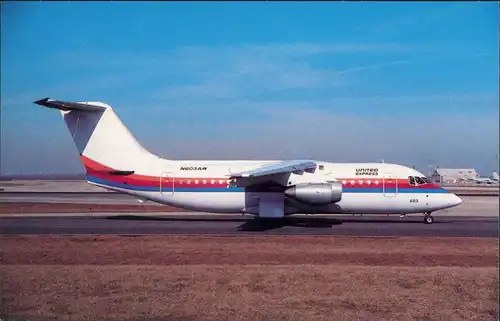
(455, 200)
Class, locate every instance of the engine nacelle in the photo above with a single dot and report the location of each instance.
(316, 193)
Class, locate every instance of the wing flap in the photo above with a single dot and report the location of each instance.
(277, 168)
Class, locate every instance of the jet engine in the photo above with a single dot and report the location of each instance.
(316, 193)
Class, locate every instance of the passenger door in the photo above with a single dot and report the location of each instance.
(390, 185)
(167, 185)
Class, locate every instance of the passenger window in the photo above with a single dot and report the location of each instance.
(189, 181)
(196, 181)
(412, 180)
(221, 181)
(321, 167)
(180, 182)
(212, 182)
(419, 181)
(204, 181)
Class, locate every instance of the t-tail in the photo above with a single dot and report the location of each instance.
(103, 141)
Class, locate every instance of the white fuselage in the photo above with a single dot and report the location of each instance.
(205, 186)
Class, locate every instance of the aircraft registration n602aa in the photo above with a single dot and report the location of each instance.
(115, 160)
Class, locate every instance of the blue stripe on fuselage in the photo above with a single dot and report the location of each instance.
(101, 181)
(394, 190)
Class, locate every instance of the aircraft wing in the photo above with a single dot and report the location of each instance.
(277, 168)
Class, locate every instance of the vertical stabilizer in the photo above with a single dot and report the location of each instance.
(100, 136)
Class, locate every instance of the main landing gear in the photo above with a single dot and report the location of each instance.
(428, 219)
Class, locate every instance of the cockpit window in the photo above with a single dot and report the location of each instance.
(419, 180)
(415, 180)
(426, 180)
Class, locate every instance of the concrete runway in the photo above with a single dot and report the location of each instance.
(472, 205)
(75, 198)
(42, 186)
(183, 223)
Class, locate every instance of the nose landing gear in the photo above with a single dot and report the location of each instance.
(428, 219)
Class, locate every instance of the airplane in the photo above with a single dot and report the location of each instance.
(268, 189)
(483, 180)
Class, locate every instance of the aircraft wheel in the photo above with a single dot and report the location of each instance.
(428, 219)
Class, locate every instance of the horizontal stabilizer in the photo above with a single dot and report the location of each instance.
(114, 172)
(66, 105)
(121, 173)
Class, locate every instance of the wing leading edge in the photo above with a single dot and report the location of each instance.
(277, 168)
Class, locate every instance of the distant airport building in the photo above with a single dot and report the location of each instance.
(453, 175)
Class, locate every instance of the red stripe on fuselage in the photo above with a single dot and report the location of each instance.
(390, 183)
(101, 171)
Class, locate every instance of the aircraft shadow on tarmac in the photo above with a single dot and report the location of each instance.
(264, 225)
(271, 224)
(171, 219)
(256, 224)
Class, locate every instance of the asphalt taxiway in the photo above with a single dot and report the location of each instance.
(182, 223)
(476, 217)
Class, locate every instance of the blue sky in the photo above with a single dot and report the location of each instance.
(411, 83)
